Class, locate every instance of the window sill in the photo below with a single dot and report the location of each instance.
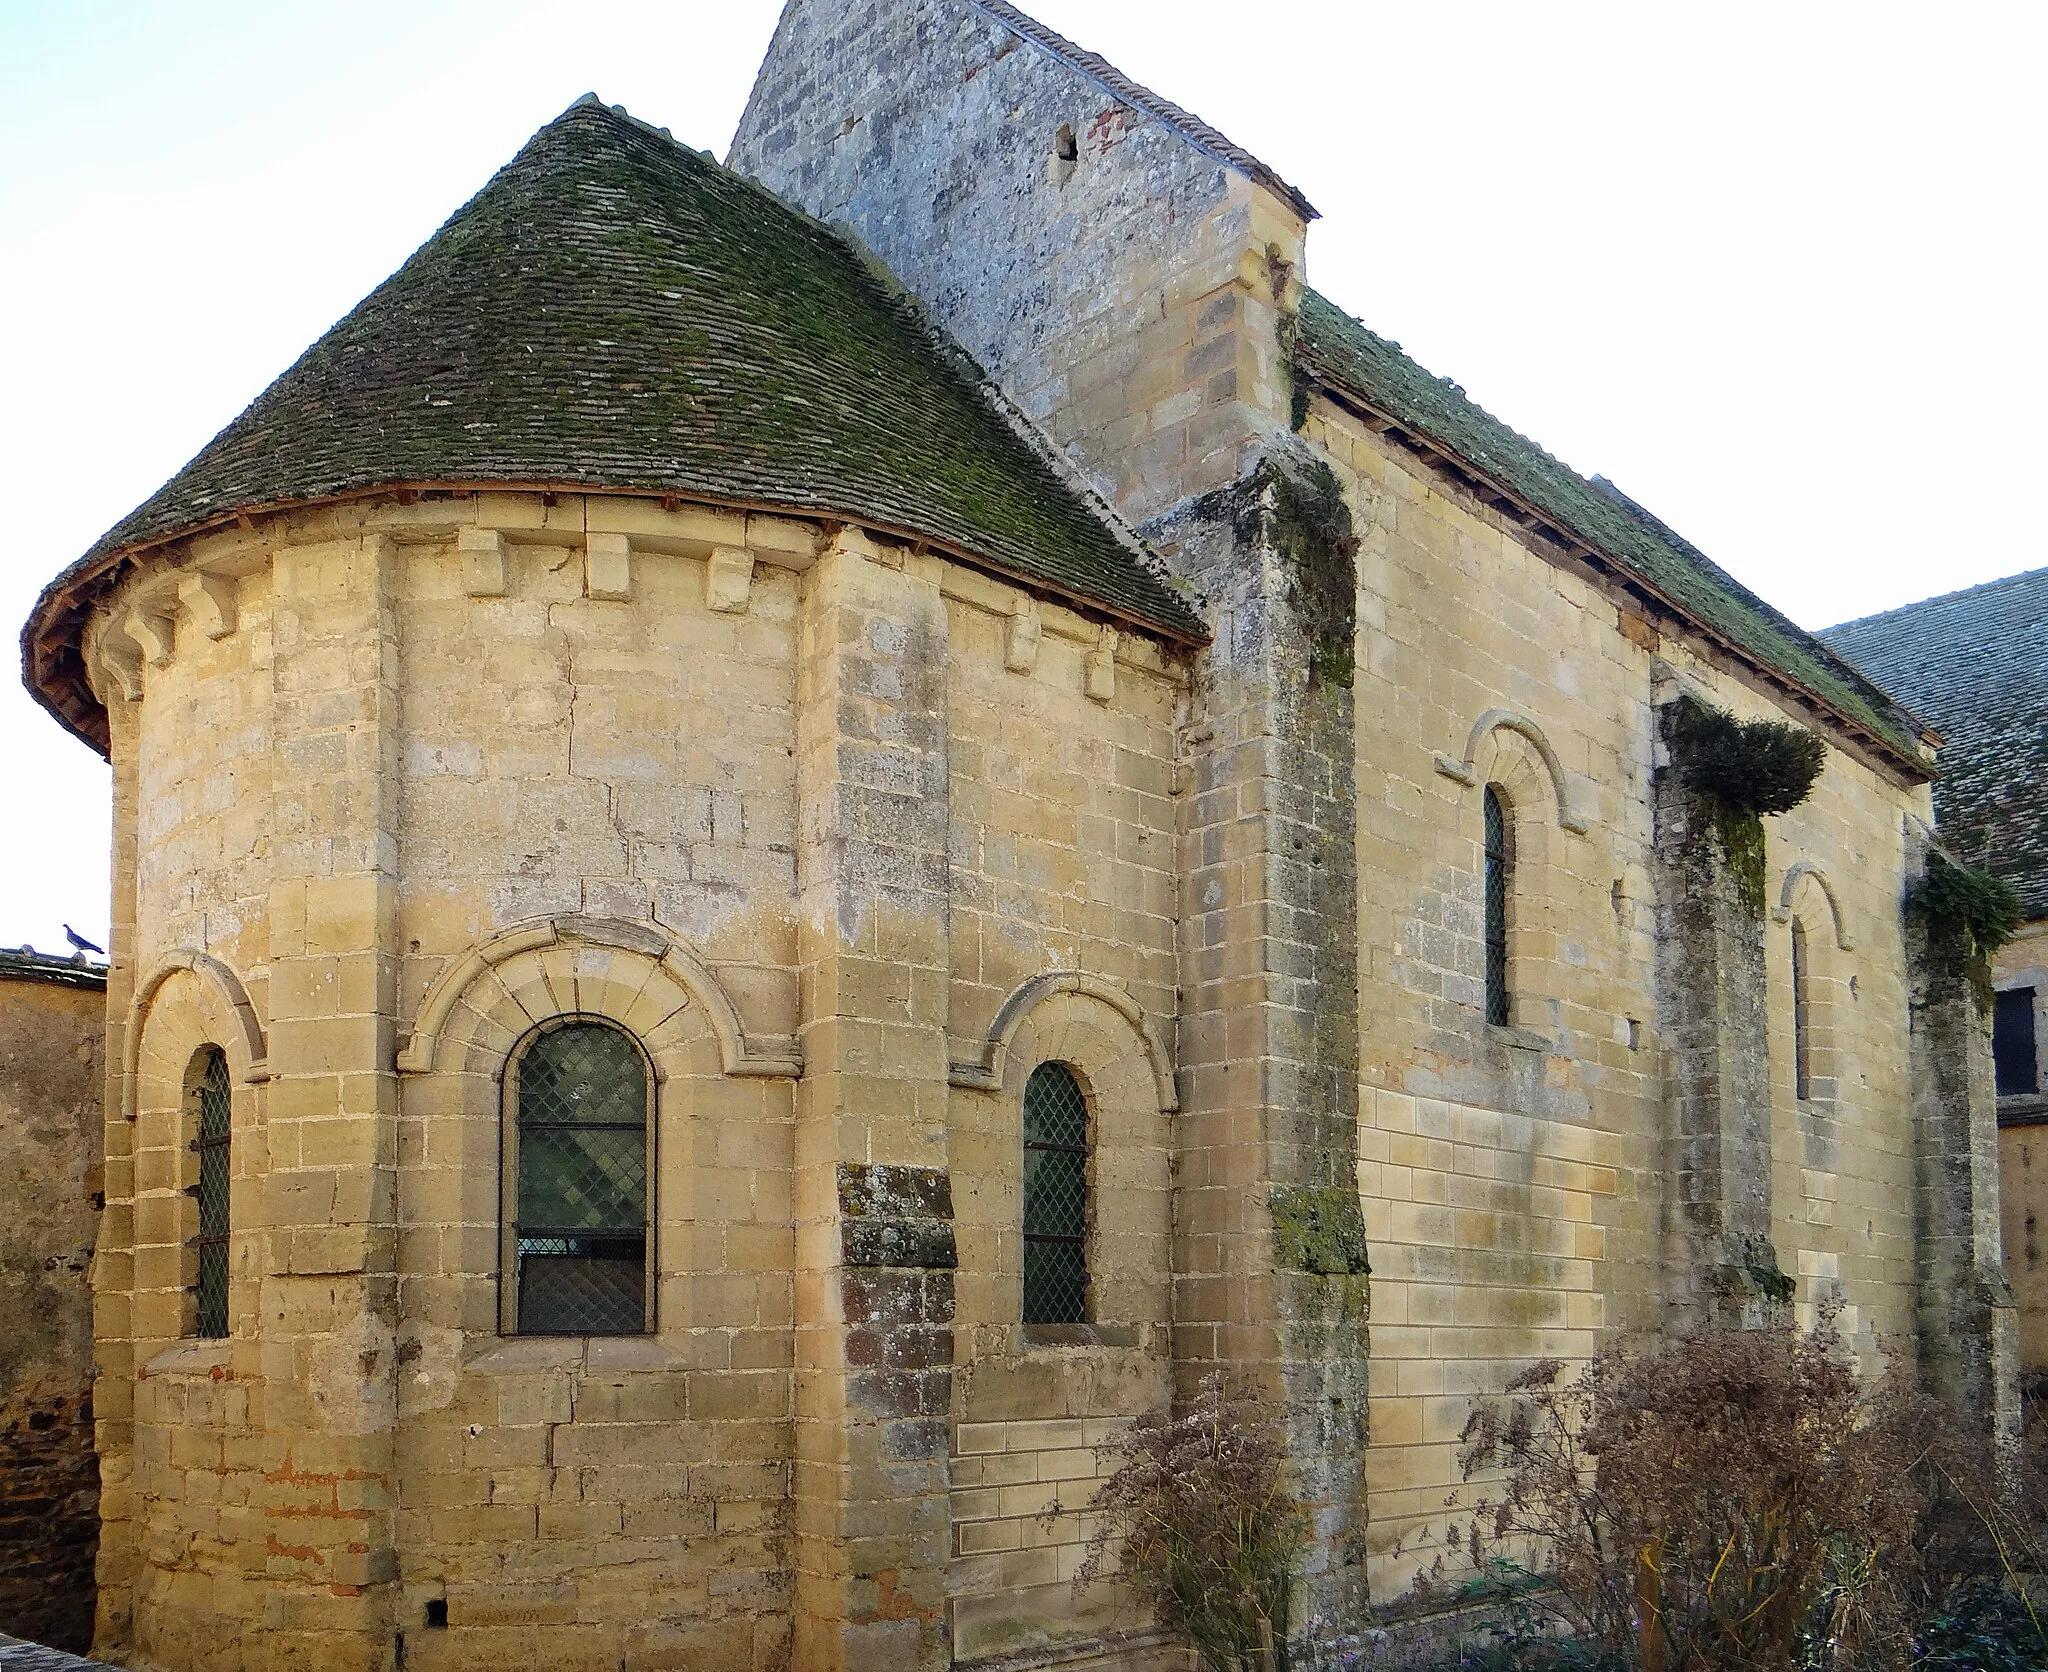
(1517, 1039)
(512, 1354)
(193, 1357)
(1034, 1337)
(2027, 1108)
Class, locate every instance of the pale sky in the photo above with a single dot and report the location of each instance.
(1776, 269)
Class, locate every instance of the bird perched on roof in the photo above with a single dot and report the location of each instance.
(80, 944)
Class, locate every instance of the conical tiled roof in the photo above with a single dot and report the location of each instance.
(615, 311)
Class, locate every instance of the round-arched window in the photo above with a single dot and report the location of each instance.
(578, 1162)
(1055, 1197)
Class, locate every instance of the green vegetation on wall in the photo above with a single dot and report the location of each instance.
(1969, 915)
(1318, 1228)
(1742, 769)
(1300, 509)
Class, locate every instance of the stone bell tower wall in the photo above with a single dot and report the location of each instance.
(1129, 297)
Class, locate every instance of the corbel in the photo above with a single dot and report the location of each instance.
(608, 566)
(1101, 667)
(149, 625)
(121, 657)
(484, 571)
(1021, 635)
(210, 601)
(728, 580)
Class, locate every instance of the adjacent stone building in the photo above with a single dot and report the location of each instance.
(52, 1016)
(753, 907)
(1973, 664)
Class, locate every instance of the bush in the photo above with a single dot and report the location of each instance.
(1748, 766)
(1980, 910)
(1202, 1527)
(1730, 1501)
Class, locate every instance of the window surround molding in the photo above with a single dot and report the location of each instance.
(1096, 1031)
(1800, 873)
(188, 1002)
(233, 1017)
(1805, 898)
(992, 1071)
(740, 1054)
(1465, 770)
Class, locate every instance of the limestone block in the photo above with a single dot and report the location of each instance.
(149, 626)
(484, 573)
(1100, 664)
(608, 566)
(210, 601)
(1021, 635)
(728, 580)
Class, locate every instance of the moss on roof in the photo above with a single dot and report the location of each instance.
(1336, 351)
(614, 310)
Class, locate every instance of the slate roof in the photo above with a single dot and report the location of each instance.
(1975, 663)
(1114, 82)
(1337, 352)
(616, 311)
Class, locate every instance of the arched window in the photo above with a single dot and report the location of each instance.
(578, 1157)
(1802, 1016)
(1055, 1197)
(213, 1144)
(1500, 882)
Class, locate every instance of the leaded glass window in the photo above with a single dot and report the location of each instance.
(1802, 1017)
(1055, 1197)
(214, 1147)
(576, 1242)
(1500, 871)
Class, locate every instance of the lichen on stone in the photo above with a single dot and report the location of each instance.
(1760, 1266)
(1299, 509)
(1318, 1228)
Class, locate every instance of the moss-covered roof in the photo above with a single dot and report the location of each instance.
(1973, 663)
(615, 311)
(1337, 352)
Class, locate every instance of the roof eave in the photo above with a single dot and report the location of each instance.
(53, 631)
(1332, 381)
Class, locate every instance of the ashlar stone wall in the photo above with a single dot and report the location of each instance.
(937, 136)
(1520, 1182)
(849, 837)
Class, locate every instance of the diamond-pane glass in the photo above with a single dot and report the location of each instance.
(1802, 1016)
(213, 1146)
(1499, 867)
(581, 1236)
(1055, 1198)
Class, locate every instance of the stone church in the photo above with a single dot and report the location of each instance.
(790, 837)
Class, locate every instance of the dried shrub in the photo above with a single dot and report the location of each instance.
(1199, 1523)
(1736, 1500)
(1750, 767)
(1984, 1549)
